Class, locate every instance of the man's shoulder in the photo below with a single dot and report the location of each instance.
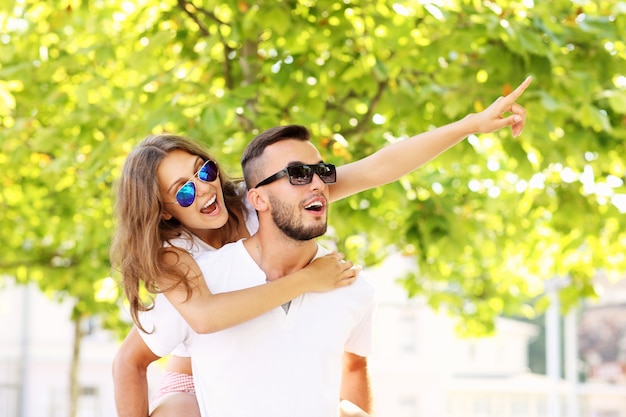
(360, 291)
(363, 286)
(322, 250)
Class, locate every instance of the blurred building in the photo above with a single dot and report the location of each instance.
(602, 334)
(36, 345)
(420, 369)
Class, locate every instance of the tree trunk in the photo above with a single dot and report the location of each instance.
(74, 382)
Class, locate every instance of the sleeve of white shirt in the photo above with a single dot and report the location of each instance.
(165, 328)
(360, 340)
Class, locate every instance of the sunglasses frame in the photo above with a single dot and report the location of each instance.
(314, 169)
(190, 182)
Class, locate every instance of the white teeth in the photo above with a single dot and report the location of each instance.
(316, 204)
(211, 201)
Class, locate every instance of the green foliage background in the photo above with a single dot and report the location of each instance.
(81, 82)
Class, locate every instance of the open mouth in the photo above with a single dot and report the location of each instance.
(314, 206)
(209, 206)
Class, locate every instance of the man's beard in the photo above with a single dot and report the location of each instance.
(290, 225)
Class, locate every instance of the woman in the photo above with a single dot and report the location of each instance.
(167, 216)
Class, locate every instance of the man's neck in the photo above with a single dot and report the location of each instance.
(279, 256)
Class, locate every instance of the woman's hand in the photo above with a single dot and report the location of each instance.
(330, 272)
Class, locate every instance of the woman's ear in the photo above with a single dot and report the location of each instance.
(166, 215)
(257, 199)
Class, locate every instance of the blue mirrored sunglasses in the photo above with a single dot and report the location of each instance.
(186, 195)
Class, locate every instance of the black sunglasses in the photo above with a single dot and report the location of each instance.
(303, 174)
(186, 195)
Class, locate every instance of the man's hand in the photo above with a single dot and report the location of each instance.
(355, 384)
(493, 117)
(348, 409)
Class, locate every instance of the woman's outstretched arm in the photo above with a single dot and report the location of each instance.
(396, 160)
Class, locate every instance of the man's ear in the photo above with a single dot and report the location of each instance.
(257, 199)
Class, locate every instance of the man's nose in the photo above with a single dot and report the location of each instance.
(316, 182)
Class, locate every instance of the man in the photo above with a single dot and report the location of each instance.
(302, 359)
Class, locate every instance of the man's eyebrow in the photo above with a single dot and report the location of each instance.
(292, 163)
(198, 164)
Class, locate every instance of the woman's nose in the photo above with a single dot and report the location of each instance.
(202, 187)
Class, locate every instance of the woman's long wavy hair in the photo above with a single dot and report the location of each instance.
(143, 235)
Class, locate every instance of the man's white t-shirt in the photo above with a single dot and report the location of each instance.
(278, 364)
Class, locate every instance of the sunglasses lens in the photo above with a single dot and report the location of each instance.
(303, 174)
(208, 172)
(300, 174)
(186, 194)
(327, 173)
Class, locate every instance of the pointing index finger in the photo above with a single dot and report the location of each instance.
(514, 95)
